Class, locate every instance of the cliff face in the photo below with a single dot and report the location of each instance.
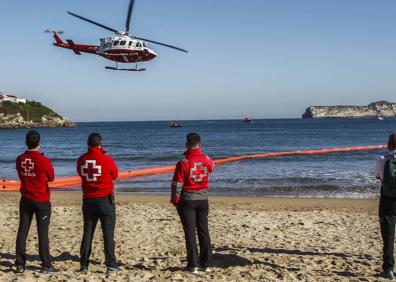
(30, 115)
(381, 108)
(17, 121)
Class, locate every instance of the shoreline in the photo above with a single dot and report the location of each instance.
(267, 202)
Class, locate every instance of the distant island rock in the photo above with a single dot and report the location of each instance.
(21, 113)
(382, 109)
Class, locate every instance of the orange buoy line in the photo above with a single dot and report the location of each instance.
(75, 181)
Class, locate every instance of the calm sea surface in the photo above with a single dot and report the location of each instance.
(148, 144)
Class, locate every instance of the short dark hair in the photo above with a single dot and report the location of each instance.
(392, 142)
(32, 139)
(94, 140)
(193, 139)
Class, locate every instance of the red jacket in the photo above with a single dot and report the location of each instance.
(97, 172)
(192, 173)
(35, 171)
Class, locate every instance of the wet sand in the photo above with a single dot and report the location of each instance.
(254, 239)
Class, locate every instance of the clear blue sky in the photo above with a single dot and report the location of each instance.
(265, 58)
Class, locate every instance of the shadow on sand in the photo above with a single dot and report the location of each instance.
(8, 260)
(229, 256)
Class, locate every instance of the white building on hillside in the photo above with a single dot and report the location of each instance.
(11, 98)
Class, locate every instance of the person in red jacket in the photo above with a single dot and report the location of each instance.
(34, 171)
(97, 172)
(190, 187)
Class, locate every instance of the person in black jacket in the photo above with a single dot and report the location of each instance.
(387, 206)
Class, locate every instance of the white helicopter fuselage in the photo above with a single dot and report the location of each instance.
(125, 49)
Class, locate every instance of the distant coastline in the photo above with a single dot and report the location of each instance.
(378, 110)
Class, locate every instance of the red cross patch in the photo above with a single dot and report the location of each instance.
(90, 170)
(27, 165)
(198, 172)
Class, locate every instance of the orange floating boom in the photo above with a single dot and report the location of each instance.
(75, 181)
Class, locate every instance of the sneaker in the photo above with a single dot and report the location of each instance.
(207, 269)
(83, 270)
(48, 270)
(112, 269)
(193, 270)
(388, 274)
(19, 269)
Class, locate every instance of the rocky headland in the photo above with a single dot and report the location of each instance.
(31, 114)
(381, 109)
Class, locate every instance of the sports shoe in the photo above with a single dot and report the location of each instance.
(207, 269)
(388, 274)
(49, 270)
(112, 269)
(193, 270)
(83, 270)
(19, 269)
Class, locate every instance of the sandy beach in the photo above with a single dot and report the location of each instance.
(254, 239)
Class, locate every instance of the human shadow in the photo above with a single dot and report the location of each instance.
(222, 260)
(231, 258)
(295, 252)
(10, 259)
(64, 256)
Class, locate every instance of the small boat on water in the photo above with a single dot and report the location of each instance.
(175, 124)
(379, 117)
(247, 119)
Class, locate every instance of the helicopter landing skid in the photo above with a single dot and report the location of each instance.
(122, 69)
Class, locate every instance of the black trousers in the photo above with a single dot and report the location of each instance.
(387, 216)
(102, 209)
(194, 217)
(42, 210)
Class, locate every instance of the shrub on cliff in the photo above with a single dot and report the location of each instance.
(32, 110)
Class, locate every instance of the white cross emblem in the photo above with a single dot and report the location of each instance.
(27, 165)
(198, 172)
(90, 170)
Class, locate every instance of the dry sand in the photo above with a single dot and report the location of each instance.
(254, 239)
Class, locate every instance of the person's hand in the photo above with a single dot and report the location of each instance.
(175, 200)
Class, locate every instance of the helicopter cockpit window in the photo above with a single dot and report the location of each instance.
(130, 43)
(116, 43)
(138, 44)
(123, 42)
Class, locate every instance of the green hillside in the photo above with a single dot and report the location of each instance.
(32, 110)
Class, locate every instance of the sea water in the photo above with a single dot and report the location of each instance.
(136, 145)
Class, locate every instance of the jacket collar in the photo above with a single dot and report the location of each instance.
(193, 151)
(33, 152)
(96, 150)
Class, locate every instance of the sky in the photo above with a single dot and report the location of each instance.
(263, 58)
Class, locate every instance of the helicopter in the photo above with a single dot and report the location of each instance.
(123, 47)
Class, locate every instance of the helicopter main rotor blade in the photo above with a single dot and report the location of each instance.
(92, 22)
(162, 44)
(128, 20)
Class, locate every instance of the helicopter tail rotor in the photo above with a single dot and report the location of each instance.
(56, 36)
(53, 31)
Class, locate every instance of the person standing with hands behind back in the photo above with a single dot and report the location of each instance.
(190, 196)
(35, 171)
(97, 172)
(386, 172)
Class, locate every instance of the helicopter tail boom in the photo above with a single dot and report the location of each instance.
(69, 44)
